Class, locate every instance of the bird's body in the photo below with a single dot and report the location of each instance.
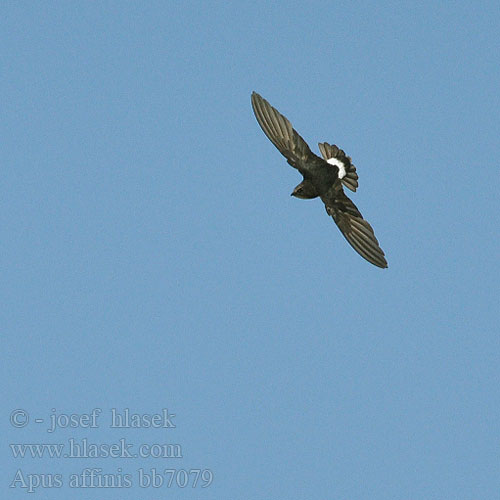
(323, 178)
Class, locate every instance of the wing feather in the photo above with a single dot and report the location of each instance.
(281, 133)
(356, 230)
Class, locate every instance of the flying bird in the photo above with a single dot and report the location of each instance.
(323, 177)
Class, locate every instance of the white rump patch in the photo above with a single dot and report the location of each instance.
(339, 164)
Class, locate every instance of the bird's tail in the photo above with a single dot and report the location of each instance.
(350, 180)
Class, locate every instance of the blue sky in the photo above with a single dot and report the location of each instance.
(153, 258)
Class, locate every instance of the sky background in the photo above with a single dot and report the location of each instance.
(152, 256)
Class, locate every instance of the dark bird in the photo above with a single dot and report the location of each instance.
(323, 177)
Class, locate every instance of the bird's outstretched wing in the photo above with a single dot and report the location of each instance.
(328, 151)
(281, 133)
(356, 230)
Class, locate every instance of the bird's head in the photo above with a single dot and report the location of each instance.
(305, 190)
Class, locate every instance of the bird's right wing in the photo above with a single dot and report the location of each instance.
(356, 230)
(281, 133)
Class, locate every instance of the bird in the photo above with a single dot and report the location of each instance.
(322, 177)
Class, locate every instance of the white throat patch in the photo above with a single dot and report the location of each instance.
(339, 164)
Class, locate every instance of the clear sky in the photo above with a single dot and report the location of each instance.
(153, 258)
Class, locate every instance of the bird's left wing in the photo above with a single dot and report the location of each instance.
(281, 133)
(356, 230)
